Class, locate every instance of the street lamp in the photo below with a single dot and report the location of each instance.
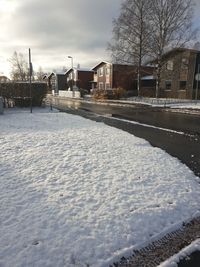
(72, 71)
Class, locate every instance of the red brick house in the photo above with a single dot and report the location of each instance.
(108, 75)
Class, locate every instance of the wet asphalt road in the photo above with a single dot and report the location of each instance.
(148, 115)
(185, 146)
(192, 261)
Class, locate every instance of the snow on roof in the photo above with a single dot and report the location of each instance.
(84, 69)
(102, 62)
(79, 69)
(148, 77)
(60, 72)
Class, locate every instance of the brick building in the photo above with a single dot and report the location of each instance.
(108, 75)
(179, 69)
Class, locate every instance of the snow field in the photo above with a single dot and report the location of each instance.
(75, 192)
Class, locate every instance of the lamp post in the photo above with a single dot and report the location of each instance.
(72, 66)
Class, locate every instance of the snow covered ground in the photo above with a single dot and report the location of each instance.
(163, 102)
(75, 192)
(186, 105)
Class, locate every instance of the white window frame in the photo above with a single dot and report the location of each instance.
(101, 85)
(170, 65)
(184, 63)
(100, 72)
(107, 85)
(107, 71)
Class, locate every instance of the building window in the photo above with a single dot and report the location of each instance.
(101, 71)
(101, 86)
(182, 85)
(107, 86)
(168, 85)
(184, 63)
(107, 71)
(170, 65)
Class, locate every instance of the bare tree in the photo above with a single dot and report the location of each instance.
(196, 46)
(171, 26)
(19, 67)
(130, 34)
(39, 74)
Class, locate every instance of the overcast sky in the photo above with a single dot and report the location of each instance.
(56, 29)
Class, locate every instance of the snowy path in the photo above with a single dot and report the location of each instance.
(75, 192)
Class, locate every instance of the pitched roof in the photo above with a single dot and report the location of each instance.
(100, 63)
(4, 78)
(78, 69)
(173, 51)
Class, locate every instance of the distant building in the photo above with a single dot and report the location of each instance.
(108, 75)
(4, 79)
(56, 81)
(178, 73)
(80, 77)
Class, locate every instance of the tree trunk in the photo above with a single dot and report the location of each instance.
(139, 80)
(158, 80)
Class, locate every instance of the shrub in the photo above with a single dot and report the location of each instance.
(102, 94)
(99, 94)
(20, 93)
(118, 93)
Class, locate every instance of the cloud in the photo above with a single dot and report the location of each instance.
(54, 29)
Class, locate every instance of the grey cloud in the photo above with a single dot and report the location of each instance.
(60, 27)
(62, 21)
(55, 29)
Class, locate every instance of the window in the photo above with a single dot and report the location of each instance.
(182, 85)
(107, 86)
(107, 71)
(184, 63)
(168, 85)
(170, 65)
(101, 86)
(101, 71)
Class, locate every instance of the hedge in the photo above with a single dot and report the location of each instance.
(19, 92)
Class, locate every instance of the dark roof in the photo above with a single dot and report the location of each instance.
(174, 51)
(114, 64)
(180, 49)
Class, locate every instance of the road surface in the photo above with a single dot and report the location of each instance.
(177, 134)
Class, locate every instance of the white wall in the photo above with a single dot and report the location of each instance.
(70, 94)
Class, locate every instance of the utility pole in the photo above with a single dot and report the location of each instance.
(30, 75)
